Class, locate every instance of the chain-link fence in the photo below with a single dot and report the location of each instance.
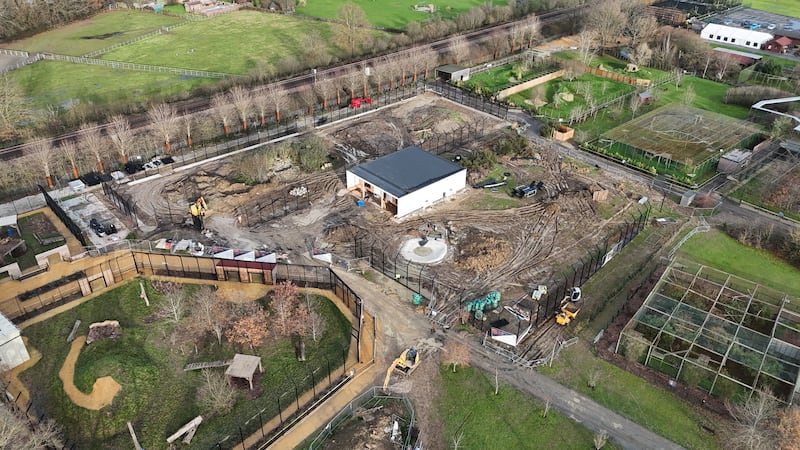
(63, 216)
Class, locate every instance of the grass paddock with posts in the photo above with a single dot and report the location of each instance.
(396, 14)
(234, 43)
(97, 32)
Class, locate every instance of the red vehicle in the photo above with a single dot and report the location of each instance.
(358, 101)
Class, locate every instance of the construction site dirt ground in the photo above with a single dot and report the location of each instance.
(495, 240)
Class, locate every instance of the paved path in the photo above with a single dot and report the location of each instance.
(581, 409)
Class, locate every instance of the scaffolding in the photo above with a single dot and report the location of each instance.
(715, 331)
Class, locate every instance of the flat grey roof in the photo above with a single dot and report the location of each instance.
(405, 171)
(451, 68)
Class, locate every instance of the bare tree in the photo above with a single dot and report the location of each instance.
(174, 299)
(315, 50)
(459, 49)
(18, 434)
(92, 140)
(497, 45)
(69, 151)
(352, 31)
(215, 395)
(641, 25)
(325, 88)
(594, 378)
(164, 121)
(516, 36)
(188, 122)
(316, 321)
(353, 81)
(277, 98)
(42, 153)
(457, 353)
(641, 55)
(471, 19)
(121, 135)
(419, 62)
(457, 439)
(635, 103)
(223, 110)
(307, 98)
(607, 19)
(533, 29)
(688, 95)
(242, 101)
(586, 45)
(211, 312)
(600, 439)
(548, 401)
(754, 422)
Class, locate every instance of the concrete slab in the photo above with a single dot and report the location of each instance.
(434, 251)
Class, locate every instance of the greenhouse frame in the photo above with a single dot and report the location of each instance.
(715, 331)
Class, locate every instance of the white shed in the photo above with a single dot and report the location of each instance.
(740, 37)
(406, 181)
(12, 349)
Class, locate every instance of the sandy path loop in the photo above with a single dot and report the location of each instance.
(103, 391)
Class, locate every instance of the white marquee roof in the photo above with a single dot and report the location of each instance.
(740, 34)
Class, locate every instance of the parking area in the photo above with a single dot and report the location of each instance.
(761, 21)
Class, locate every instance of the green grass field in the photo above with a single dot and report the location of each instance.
(506, 420)
(70, 39)
(716, 249)
(635, 398)
(230, 43)
(789, 8)
(54, 83)
(601, 90)
(394, 13)
(708, 96)
(157, 396)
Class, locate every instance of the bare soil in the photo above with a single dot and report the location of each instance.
(40, 224)
(370, 429)
(512, 249)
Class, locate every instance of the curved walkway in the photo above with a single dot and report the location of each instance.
(103, 391)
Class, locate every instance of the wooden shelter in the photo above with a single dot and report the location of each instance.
(244, 366)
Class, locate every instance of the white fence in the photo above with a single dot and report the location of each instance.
(136, 67)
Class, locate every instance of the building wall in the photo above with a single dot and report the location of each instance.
(13, 353)
(735, 36)
(432, 193)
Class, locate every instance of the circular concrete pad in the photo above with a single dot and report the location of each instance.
(432, 252)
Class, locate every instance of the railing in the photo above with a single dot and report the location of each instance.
(136, 67)
(377, 396)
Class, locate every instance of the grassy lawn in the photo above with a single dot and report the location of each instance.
(633, 397)
(716, 249)
(599, 89)
(619, 66)
(708, 96)
(53, 83)
(506, 420)
(789, 8)
(393, 14)
(156, 396)
(230, 43)
(72, 39)
(500, 78)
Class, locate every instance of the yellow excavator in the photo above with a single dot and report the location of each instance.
(405, 364)
(570, 307)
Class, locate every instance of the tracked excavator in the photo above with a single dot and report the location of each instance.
(405, 364)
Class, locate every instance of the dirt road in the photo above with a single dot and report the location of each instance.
(103, 391)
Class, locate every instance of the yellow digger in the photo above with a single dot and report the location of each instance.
(570, 307)
(405, 364)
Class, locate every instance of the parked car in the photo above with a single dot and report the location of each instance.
(771, 26)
